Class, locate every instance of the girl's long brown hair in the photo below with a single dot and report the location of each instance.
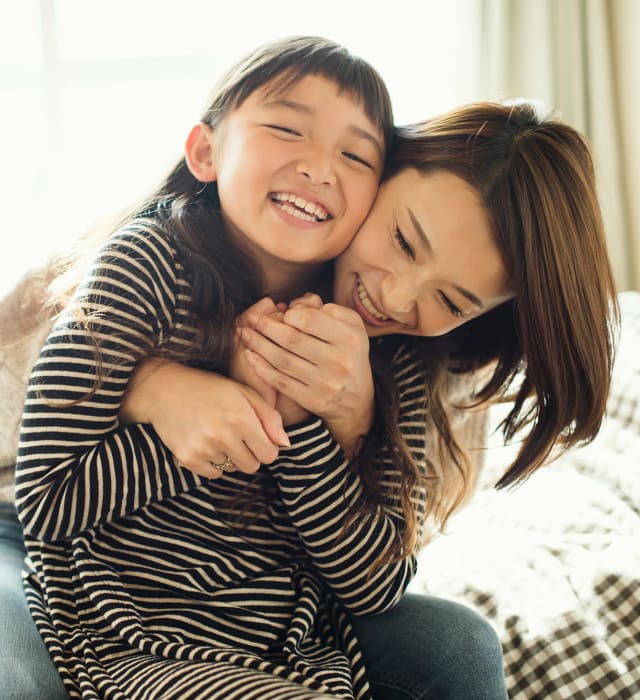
(225, 280)
(551, 348)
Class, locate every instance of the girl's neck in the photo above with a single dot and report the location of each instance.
(284, 280)
(290, 280)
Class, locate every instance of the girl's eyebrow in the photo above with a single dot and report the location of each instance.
(297, 106)
(424, 239)
(305, 109)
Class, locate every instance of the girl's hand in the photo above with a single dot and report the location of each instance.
(317, 356)
(203, 417)
(242, 369)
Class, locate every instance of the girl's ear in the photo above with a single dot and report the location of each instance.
(199, 153)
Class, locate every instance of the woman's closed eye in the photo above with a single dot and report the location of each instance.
(404, 244)
(453, 309)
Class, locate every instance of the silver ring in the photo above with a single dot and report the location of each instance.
(224, 466)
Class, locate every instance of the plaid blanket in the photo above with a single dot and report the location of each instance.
(555, 563)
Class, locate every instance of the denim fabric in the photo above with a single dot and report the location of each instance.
(26, 671)
(428, 648)
(425, 648)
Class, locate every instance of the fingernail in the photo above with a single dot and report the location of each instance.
(285, 442)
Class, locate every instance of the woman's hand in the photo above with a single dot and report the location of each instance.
(317, 355)
(203, 417)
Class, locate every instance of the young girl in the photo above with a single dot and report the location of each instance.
(277, 178)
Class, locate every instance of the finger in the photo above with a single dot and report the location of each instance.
(247, 447)
(296, 356)
(266, 305)
(308, 300)
(300, 341)
(248, 377)
(328, 323)
(263, 307)
(271, 424)
(225, 465)
(266, 391)
(201, 467)
(343, 313)
(285, 384)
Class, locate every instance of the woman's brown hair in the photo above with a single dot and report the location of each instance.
(551, 348)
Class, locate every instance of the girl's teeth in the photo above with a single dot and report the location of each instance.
(366, 302)
(301, 205)
(297, 213)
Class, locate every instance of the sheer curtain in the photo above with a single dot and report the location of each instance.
(97, 97)
(582, 57)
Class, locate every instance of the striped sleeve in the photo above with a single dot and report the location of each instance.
(77, 466)
(318, 489)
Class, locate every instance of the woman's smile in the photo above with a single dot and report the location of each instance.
(367, 308)
(425, 260)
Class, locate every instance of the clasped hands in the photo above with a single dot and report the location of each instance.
(289, 362)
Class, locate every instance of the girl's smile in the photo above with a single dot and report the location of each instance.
(297, 169)
(300, 208)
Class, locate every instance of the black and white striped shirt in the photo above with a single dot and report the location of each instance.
(141, 581)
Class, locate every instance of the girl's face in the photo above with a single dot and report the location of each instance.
(424, 261)
(297, 171)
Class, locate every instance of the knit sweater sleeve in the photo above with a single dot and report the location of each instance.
(77, 465)
(318, 488)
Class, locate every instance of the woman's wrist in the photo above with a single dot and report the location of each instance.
(141, 395)
(348, 431)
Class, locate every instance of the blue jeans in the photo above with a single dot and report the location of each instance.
(429, 648)
(26, 671)
(425, 648)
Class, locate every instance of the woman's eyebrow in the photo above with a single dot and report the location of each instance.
(470, 296)
(305, 109)
(424, 239)
(426, 244)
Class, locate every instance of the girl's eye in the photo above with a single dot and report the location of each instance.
(285, 129)
(454, 310)
(357, 159)
(405, 246)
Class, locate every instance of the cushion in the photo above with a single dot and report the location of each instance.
(24, 325)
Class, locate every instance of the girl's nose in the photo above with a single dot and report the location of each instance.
(317, 167)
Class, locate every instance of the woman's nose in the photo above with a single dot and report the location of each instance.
(398, 295)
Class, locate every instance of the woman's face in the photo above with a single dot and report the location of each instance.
(424, 261)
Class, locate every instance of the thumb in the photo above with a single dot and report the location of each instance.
(266, 305)
(269, 417)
